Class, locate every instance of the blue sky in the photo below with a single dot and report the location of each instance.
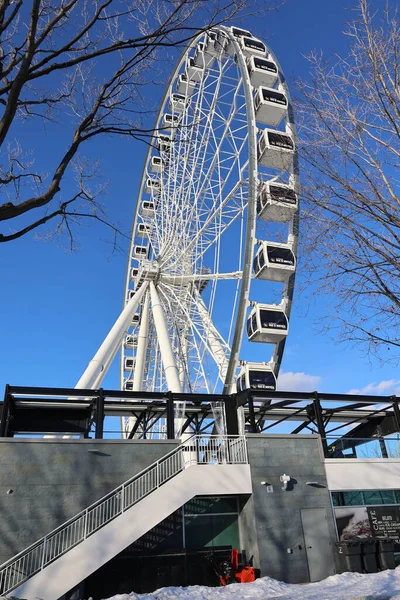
(56, 306)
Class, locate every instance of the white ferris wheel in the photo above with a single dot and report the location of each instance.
(216, 219)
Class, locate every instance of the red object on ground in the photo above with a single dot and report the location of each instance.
(246, 575)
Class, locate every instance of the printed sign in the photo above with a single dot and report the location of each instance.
(385, 521)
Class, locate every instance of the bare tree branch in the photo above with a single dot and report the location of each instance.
(349, 115)
(73, 62)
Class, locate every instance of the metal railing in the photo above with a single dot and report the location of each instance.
(199, 450)
(379, 447)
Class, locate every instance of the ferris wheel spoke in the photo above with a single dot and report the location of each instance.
(204, 330)
(218, 347)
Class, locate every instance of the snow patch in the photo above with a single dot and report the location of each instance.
(347, 586)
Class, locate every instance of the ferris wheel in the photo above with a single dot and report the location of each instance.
(213, 249)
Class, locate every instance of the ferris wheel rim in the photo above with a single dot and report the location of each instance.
(246, 273)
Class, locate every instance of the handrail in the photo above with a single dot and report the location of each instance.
(198, 449)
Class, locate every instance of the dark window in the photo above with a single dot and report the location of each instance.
(184, 77)
(281, 140)
(262, 380)
(211, 505)
(211, 530)
(379, 497)
(156, 160)
(255, 264)
(178, 97)
(273, 96)
(365, 497)
(273, 319)
(252, 324)
(149, 205)
(260, 204)
(280, 256)
(249, 330)
(253, 44)
(265, 65)
(282, 194)
(171, 118)
(240, 32)
(261, 258)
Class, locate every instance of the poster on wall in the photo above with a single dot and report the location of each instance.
(351, 522)
(376, 521)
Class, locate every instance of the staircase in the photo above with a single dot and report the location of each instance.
(201, 465)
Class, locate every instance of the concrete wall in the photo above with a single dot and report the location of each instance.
(362, 474)
(45, 482)
(277, 515)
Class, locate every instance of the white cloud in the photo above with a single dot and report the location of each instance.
(386, 387)
(298, 382)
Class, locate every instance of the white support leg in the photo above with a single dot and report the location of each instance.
(167, 355)
(219, 348)
(220, 351)
(98, 366)
(141, 347)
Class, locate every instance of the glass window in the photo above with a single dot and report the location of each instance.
(354, 498)
(365, 497)
(281, 194)
(261, 259)
(210, 505)
(254, 44)
(273, 319)
(262, 380)
(270, 95)
(280, 140)
(337, 499)
(281, 256)
(380, 497)
(255, 264)
(249, 331)
(265, 65)
(205, 531)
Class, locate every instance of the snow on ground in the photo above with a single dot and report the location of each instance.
(348, 586)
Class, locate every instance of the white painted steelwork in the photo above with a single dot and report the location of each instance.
(209, 185)
(202, 233)
(99, 364)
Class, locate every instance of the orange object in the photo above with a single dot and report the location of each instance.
(246, 575)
